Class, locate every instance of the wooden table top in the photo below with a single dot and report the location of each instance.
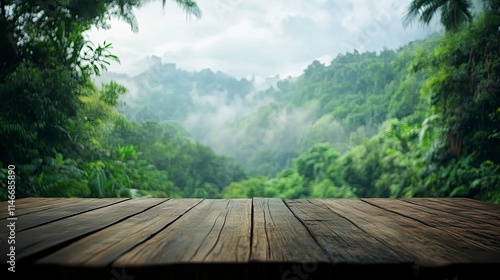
(260, 238)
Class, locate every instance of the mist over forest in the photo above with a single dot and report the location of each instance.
(215, 108)
(422, 119)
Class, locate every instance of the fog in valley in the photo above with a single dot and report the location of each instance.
(233, 98)
(258, 45)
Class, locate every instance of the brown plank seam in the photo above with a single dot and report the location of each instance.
(398, 213)
(251, 230)
(44, 252)
(308, 229)
(265, 230)
(368, 233)
(208, 233)
(456, 213)
(444, 229)
(70, 215)
(156, 233)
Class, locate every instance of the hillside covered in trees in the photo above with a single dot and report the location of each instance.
(421, 120)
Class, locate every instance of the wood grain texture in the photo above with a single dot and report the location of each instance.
(481, 210)
(343, 240)
(422, 243)
(279, 236)
(480, 240)
(261, 238)
(31, 201)
(103, 247)
(48, 236)
(462, 201)
(215, 231)
(32, 204)
(70, 207)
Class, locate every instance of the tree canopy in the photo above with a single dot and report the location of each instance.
(422, 120)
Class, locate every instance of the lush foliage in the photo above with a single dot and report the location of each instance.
(64, 134)
(422, 120)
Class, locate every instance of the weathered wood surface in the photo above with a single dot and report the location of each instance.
(105, 246)
(278, 236)
(214, 231)
(260, 238)
(341, 237)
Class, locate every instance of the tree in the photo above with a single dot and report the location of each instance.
(453, 13)
(463, 89)
(45, 68)
(464, 84)
(110, 93)
(320, 172)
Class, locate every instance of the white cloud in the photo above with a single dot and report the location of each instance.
(258, 37)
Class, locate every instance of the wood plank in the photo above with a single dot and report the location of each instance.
(478, 204)
(70, 207)
(278, 236)
(427, 246)
(44, 238)
(342, 239)
(30, 205)
(485, 208)
(31, 200)
(363, 239)
(473, 236)
(103, 247)
(215, 231)
(460, 210)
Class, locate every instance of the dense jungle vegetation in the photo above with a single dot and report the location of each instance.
(422, 120)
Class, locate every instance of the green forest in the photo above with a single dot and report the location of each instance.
(419, 121)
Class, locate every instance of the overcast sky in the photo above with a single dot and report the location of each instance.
(261, 38)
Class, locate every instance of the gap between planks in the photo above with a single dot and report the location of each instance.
(274, 230)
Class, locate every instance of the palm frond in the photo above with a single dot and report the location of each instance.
(452, 12)
(190, 7)
(414, 11)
